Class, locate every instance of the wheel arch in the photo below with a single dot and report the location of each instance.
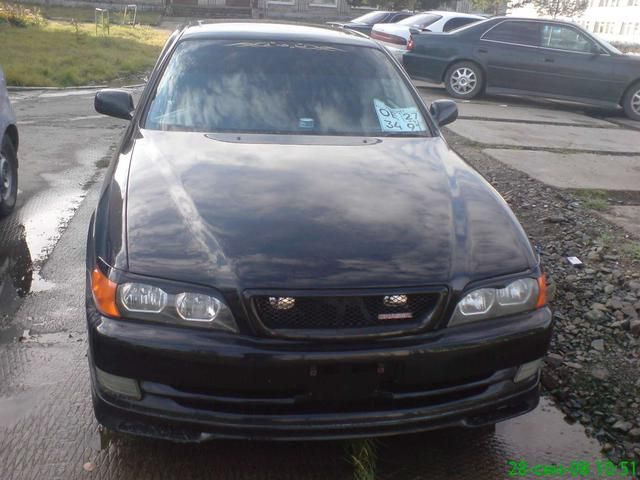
(632, 83)
(12, 133)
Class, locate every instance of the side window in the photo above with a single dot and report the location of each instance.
(518, 32)
(564, 37)
(457, 23)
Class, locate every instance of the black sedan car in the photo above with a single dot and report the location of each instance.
(365, 23)
(545, 58)
(285, 247)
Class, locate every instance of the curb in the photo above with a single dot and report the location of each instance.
(62, 89)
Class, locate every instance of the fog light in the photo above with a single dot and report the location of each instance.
(126, 387)
(527, 370)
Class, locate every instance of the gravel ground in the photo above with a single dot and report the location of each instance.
(592, 369)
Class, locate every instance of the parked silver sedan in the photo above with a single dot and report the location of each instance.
(8, 152)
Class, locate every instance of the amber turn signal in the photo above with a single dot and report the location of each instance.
(542, 291)
(104, 293)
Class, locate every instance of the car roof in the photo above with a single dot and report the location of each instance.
(529, 19)
(276, 31)
(447, 14)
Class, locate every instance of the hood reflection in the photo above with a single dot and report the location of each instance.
(395, 212)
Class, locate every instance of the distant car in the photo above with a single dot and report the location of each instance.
(286, 248)
(8, 152)
(364, 23)
(395, 37)
(544, 58)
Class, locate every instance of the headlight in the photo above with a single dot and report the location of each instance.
(149, 302)
(197, 307)
(519, 296)
(138, 297)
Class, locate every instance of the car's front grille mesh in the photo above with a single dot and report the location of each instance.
(315, 313)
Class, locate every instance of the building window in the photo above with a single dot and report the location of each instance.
(324, 3)
(281, 2)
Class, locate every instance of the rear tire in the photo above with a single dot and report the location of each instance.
(464, 80)
(631, 102)
(8, 177)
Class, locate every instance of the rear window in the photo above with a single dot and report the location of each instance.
(458, 22)
(371, 18)
(421, 20)
(284, 88)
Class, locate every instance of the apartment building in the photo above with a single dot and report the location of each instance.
(614, 20)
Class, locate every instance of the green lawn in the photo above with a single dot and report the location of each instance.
(63, 54)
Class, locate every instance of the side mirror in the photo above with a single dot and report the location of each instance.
(115, 103)
(444, 112)
(595, 49)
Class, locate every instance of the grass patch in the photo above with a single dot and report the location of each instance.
(62, 54)
(604, 239)
(633, 250)
(594, 199)
(362, 456)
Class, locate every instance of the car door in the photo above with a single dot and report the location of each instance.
(573, 65)
(511, 55)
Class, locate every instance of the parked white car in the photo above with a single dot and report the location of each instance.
(395, 36)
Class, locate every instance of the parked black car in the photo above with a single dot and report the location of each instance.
(285, 247)
(365, 23)
(528, 57)
(8, 152)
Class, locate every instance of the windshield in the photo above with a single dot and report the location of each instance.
(284, 88)
(371, 18)
(421, 20)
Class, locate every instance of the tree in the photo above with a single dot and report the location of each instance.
(560, 8)
(493, 7)
(412, 5)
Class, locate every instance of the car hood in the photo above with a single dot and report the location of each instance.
(325, 212)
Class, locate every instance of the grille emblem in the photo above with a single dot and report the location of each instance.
(282, 303)
(395, 300)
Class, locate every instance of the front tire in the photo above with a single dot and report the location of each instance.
(631, 102)
(464, 80)
(8, 177)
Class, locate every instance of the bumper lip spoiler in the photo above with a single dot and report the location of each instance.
(151, 418)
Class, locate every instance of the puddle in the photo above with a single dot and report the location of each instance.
(541, 437)
(30, 234)
(68, 93)
(16, 267)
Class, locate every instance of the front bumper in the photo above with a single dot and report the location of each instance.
(198, 385)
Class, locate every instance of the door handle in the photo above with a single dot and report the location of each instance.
(483, 50)
(549, 60)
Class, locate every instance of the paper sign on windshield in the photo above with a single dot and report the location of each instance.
(398, 119)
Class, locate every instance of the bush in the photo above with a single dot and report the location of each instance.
(627, 47)
(19, 16)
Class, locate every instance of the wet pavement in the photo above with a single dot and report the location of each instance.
(47, 429)
(62, 144)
